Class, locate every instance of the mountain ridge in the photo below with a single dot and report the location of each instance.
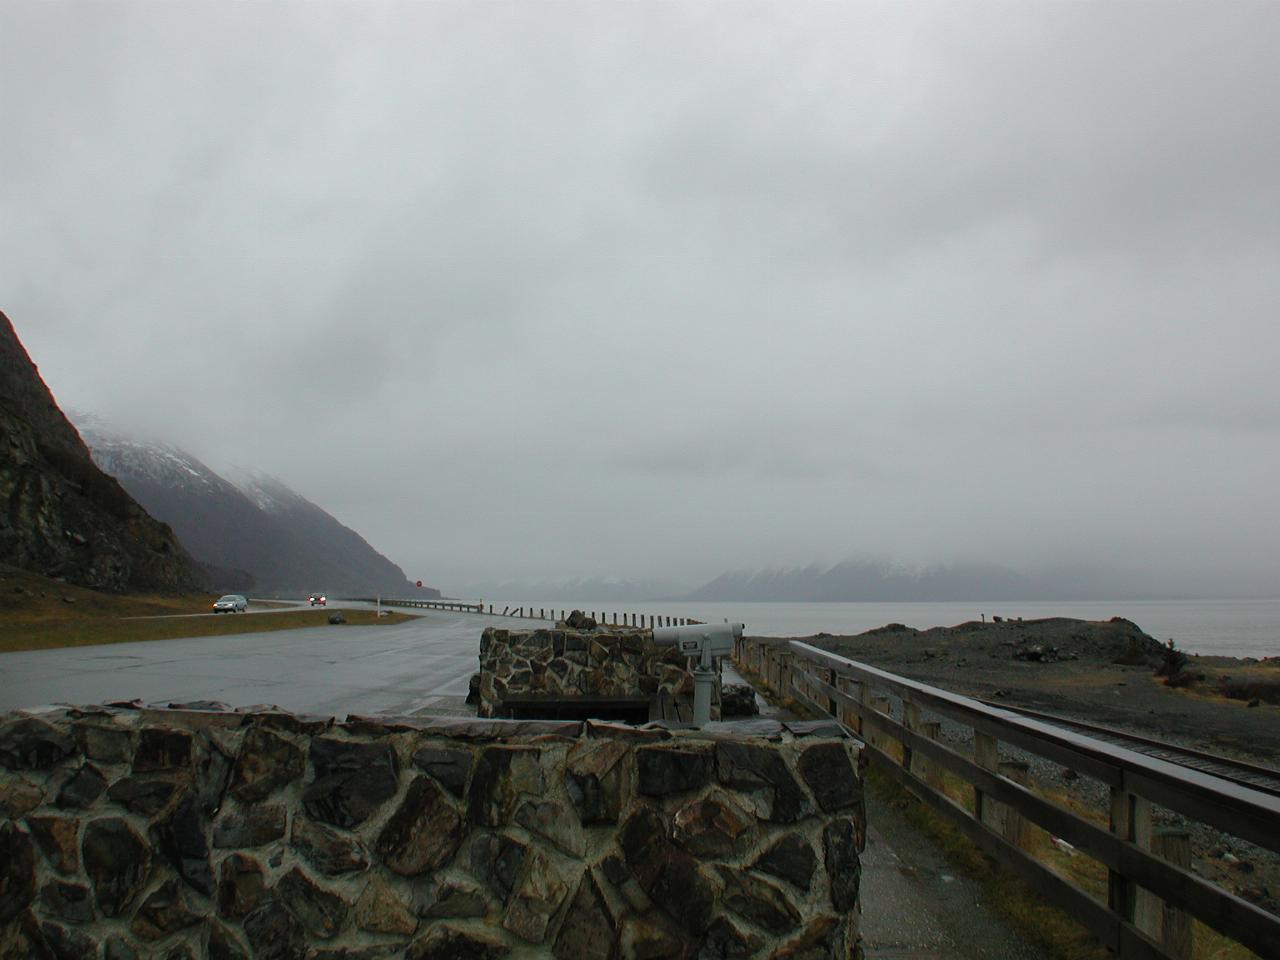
(252, 523)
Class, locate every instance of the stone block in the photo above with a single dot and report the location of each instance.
(535, 900)
(587, 930)
(274, 933)
(72, 902)
(326, 849)
(222, 944)
(117, 861)
(352, 780)
(146, 795)
(250, 826)
(424, 832)
(104, 742)
(714, 827)
(844, 869)
(30, 744)
(380, 910)
(17, 871)
(449, 766)
(501, 776)
(667, 770)
(242, 886)
(183, 841)
(761, 770)
(82, 789)
(18, 797)
(450, 899)
(162, 912)
(790, 858)
(759, 901)
(448, 943)
(67, 943)
(266, 762)
(59, 841)
(554, 822)
(829, 774)
(496, 860)
(162, 749)
(597, 781)
(323, 913)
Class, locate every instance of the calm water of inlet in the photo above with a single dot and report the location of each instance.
(1237, 628)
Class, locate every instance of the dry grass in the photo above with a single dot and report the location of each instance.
(39, 614)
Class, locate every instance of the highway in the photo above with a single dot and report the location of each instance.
(331, 670)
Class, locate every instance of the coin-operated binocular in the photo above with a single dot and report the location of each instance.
(704, 641)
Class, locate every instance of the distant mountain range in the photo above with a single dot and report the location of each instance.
(582, 588)
(866, 580)
(250, 531)
(849, 580)
(61, 516)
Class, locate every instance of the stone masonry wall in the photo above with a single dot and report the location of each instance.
(570, 663)
(178, 834)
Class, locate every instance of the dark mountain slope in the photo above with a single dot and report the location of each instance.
(61, 516)
(287, 544)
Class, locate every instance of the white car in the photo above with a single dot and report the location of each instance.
(231, 603)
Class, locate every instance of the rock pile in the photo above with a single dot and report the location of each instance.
(178, 834)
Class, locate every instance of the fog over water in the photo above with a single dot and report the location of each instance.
(654, 291)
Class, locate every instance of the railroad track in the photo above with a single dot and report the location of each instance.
(1266, 779)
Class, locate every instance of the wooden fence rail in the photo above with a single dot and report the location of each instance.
(1151, 891)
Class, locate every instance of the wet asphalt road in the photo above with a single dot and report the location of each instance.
(337, 670)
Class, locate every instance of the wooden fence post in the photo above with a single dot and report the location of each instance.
(1120, 892)
(1016, 828)
(858, 690)
(1175, 924)
(910, 720)
(932, 771)
(986, 754)
(1145, 905)
(879, 739)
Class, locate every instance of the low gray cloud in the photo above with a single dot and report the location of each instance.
(566, 289)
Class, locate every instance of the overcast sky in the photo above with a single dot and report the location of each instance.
(661, 289)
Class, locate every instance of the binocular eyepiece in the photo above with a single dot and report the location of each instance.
(702, 640)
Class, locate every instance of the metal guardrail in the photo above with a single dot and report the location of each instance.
(643, 621)
(1151, 890)
(457, 605)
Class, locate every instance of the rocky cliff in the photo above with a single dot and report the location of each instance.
(62, 516)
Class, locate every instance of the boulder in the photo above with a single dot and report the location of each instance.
(577, 620)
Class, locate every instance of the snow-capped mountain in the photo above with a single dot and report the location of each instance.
(254, 533)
